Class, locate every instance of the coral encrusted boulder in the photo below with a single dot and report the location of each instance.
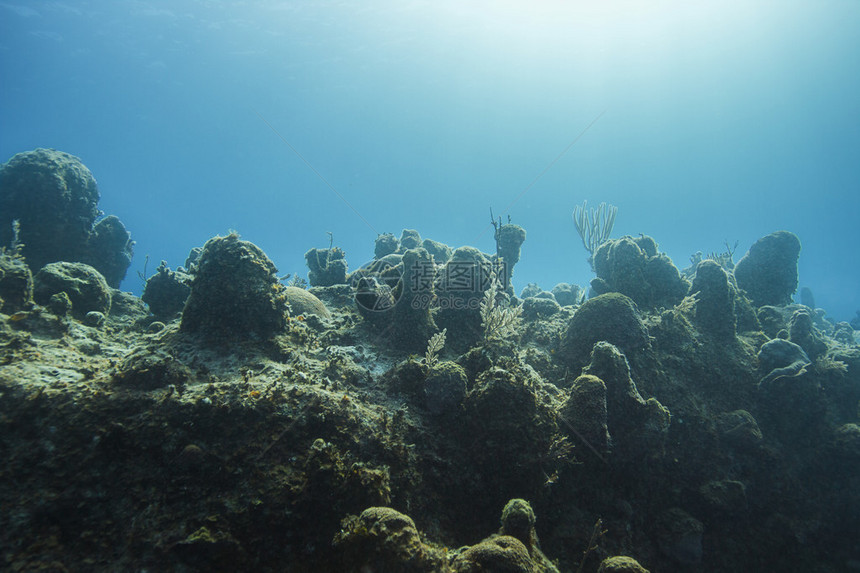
(768, 272)
(610, 317)
(85, 287)
(54, 198)
(235, 292)
(634, 267)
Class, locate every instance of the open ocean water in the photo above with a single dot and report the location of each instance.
(705, 123)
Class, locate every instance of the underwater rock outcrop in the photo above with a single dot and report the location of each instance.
(638, 427)
(383, 539)
(584, 413)
(620, 564)
(509, 239)
(634, 267)
(235, 292)
(613, 318)
(781, 358)
(715, 300)
(768, 272)
(326, 267)
(16, 283)
(54, 199)
(85, 286)
(166, 291)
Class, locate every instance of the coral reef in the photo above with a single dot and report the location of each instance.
(768, 272)
(634, 267)
(379, 426)
(54, 199)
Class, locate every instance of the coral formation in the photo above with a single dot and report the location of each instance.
(327, 267)
(235, 292)
(84, 285)
(634, 267)
(715, 300)
(768, 272)
(613, 318)
(16, 283)
(166, 291)
(54, 199)
(380, 426)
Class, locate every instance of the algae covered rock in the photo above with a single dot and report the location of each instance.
(166, 291)
(444, 388)
(109, 249)
(620, 564)
(638, 427)
(54, 198)
(16, 284)
(634, 267)
(509, 239)
(715, 304)
(84, 285)
(500, 554)
(584, 413)
(611, 317)
(383, 539)
(235, 292)
(768, 272)
(326, 267)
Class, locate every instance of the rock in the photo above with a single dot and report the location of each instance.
(54, 199)
(715, 305)
(383, 539)
(148, 370)
(327, 267)
(584, 414)
(235, 292)
(109, 250)
(166, 291)
(567, 294)
(739, 429)
(509, 239)
(84, 285)
(779, 358)
(638, 427)
(768, 272)
(802, 332)
(94, 318)
(611, 317)
(620, 564)
(535, 308)
(16, 284)
(633, 267)
(500, 554)
(440, 252)
(847, 441)
(385, 244)
(679, 536)
(409, 239)
(445, 388)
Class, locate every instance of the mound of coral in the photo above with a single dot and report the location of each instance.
(385, 419)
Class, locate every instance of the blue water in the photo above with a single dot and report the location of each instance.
(709, 122)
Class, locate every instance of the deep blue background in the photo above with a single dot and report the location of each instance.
(724, 121)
